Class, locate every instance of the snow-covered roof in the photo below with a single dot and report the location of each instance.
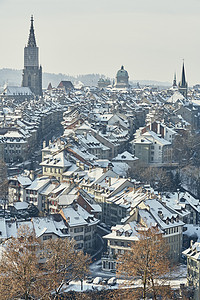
(65, 200)
(38, 183)
(127, 232)
(175, 97)
(152, 135)
(47, 225)
(164, 216)
(59, 160)
(193, 251)
(20, 205)
(16, 90)
(77, 216)
(125, 156)
(23, 180)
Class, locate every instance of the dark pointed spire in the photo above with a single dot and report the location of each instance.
(182, 87)
(183, 81)
(31, 39)
(174, 81)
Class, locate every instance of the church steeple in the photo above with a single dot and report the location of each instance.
(174, 81)
(183, 81)
(31, 39)
(182, 87)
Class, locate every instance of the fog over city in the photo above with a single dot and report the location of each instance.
(149, 37)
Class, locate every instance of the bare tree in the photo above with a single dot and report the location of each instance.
(148, 261)
(32, 270)
(3, 184)
(64, 263)
(158, 178)
(19, 266)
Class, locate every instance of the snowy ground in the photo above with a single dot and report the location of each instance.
(177, 277)
(76, 285)
(95, 270)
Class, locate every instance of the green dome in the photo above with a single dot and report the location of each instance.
(122, 72)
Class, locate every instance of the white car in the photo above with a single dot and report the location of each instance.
(112, 281)
(97, 280)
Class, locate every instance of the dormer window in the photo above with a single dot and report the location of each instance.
(127, 233)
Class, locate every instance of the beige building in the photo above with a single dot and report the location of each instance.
(55, 165)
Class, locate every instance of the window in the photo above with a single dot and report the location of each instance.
(88, 237)
(78, 237)
(88, 229)
(78, 229)
(47, 237)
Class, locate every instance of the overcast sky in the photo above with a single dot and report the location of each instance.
(149, 37)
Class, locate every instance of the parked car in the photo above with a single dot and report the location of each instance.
(89, 280)
(97, 280)
(112, 281)
(104, 281)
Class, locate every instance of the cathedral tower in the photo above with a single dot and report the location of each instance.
(32, 73)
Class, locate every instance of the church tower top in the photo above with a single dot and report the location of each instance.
(183, 84)
(31, 39)
(183, 80)
(174, 81)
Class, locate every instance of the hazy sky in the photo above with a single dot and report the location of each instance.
(149, 37)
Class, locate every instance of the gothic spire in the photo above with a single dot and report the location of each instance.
(174, 81)
(183, 81)
(182, 87)
(31, 39)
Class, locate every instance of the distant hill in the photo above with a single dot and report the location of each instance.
(14, 77)
(151, 83)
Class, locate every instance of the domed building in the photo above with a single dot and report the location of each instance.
(122, 79)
